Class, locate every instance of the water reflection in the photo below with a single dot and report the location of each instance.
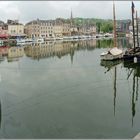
(50, 49)
(3, 52)
(134, 70)
(0, 114)
(115, 91)
(58, 93)
(55, 49)
(59, 49)
(125, 43)
(112, 65)
(14, 53)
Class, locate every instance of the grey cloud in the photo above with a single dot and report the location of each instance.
(29, 10)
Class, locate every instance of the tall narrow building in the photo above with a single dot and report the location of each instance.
(71, 18)
(74, 30)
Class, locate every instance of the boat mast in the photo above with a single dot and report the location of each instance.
(114, 25)
(132, 8)
(137, 29)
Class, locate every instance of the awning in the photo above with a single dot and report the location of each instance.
(18, 35)
(4, 35)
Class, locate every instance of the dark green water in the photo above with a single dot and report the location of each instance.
(62, 90)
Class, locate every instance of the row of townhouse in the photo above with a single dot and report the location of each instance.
(56, 28)
(47, 28)
(44, 28)
(12, 28)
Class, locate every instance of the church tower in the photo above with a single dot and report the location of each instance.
(71, 18)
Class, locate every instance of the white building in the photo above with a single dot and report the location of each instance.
(16, 29)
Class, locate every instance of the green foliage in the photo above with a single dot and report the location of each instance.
(101, 24)
(104, 43)
(107, 27)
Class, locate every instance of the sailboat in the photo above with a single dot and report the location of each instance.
(114, 53)
(133, 54)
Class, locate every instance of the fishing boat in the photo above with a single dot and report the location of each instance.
(24, 41)
(133, 54)
(113, 53)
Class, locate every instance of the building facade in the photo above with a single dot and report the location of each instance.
(3, 31)
(58, 27)
(40, 28)
(15, 52)
(46, 28)
(66, 29)
(32, 29)
(1, 23)
(123, 25)
(87, 30)
(16, 30)
(58, 30)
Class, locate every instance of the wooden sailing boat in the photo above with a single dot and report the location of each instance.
(113, 53)
(133, 53)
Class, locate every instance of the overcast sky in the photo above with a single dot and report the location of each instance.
(26, 11)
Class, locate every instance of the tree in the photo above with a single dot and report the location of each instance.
(98, 25)
(107, 27)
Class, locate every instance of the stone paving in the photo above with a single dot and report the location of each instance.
(137, 137)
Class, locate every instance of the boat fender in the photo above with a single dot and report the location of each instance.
(135, 60)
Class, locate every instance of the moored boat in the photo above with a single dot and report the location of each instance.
(113, 53)
(133, 54)
(75, 37)
(59, 38)
(38, 40)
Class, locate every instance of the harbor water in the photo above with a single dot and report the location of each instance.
(63, 90)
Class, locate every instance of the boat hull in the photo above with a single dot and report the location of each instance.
(132, 58)
(132, 55)
(109, 57)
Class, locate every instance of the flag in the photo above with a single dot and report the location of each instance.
(133, 8)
